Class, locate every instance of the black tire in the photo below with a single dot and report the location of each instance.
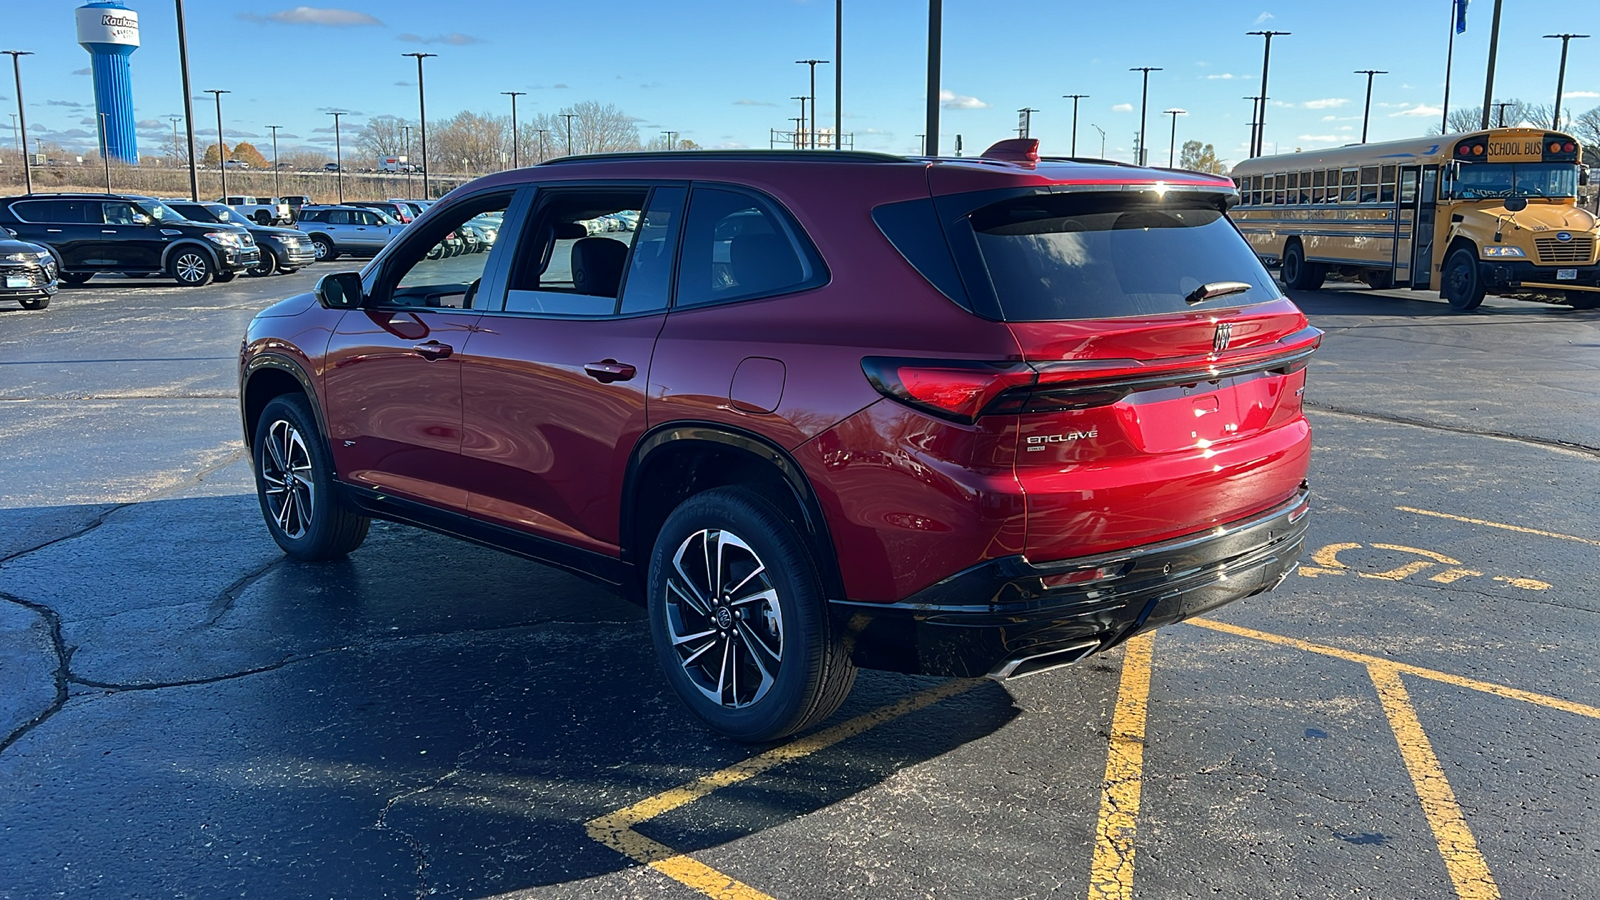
(1378, 279)
(324, 247)
(75, 278)
(1583, 300)
(34, 302)
(1298, 274)
(224, 277)
(1460, 283)
(287, 271)
(782, 604)
(305, 516)
(263, 217)
(192, 267)
(267, 265)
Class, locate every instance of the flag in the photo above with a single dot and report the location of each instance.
(1461, 16)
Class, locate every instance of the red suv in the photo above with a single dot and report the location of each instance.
(816, 410)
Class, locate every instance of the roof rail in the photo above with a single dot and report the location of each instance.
(784, 155)
(1091, 160)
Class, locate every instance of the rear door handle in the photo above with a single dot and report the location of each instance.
(108, 231)
(609, 370)
(52, 231)
(434, 350)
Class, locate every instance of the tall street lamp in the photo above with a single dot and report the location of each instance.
(222, 149)
(930, 138)
(668, 135)
(1102, 138)
(1074, 98)
(1025, 121)
(569, 117)
(422, 124)
(104, 156)
(188, 106)
(338, 158)
(16, 67)
(1144, 103)
(541, 132)
(1255, 106)
(275, 128)
(1172, 145)
(515, 163)
(1561, 77)
(799, 139)
(408, 166)
(1366, 115)
(813, 63)
(1261, 115)
(1488, 80)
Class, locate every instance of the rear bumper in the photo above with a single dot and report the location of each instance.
(1009, 616)
(1513, 275)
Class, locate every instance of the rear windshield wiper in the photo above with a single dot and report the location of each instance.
(1214, 290)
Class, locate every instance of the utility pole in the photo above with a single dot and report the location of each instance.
(338, 158)
(222, 148)
(105, 156)
(1500, 114)
(1366, 116)
(275, 194)
(1144, 104)
(422, 126)
(16, 67)
(1172, 146)
(930, 141)
(1488, 81)
(1074, 98)
(799, 140)
(1255, 107)
(514, 95)
(838, 74)
(1261, 116)
(813, 63)
(1102, 139)
(188, 106)
(569, 117)
(541, 132)
(668, 135)
(174, 121)
(1458, 25)
(409, 167)
(1561, 77)
(1025, 121)
(799, 132)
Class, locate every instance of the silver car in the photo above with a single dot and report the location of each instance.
(352, 230)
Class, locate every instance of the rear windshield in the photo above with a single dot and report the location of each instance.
(1105, 256)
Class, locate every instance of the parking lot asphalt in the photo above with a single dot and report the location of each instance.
(186, 713)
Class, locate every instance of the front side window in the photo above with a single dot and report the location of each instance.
(118, 213)
(576, 252)
(736, 246)
(424, 272)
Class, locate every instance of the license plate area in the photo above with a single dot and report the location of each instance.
(18, 281)
(1566, 274)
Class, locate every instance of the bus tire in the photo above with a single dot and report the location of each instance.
(1583, 300)
(1378, 279)
(1460, 283)
(1298, 274)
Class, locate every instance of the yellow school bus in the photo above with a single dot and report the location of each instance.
(1461, 214)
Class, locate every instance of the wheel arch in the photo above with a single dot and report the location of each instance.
(675, 461)
(211, 254)
(266, 377)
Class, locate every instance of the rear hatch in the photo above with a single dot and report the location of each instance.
(1166, 367)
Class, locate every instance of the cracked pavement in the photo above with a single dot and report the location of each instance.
(184, 712)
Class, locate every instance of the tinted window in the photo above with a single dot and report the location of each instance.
(649, 281)
(337, 217)
(35, 211)
(423, 274)
(574, 254)
(118, 213)
(1094, 257)
(736, 247)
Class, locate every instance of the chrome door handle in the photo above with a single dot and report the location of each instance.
(609, 370)
(108, 231)
(433, 350)
(52, 231)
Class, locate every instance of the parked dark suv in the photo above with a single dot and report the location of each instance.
(281, 249)
(92, 234)
(817, 411)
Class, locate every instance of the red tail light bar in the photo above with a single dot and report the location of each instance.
(965, 390)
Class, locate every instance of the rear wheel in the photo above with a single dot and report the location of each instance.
(294, 482)
(76, 278)
(1297, 273)
(1583, 300)
(191, 267)
(1378, 279)
(739, 618)
(1460, 283)
(266, 266)
(35, 302)
(263, 217)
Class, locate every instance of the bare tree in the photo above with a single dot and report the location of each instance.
(601, 129)
(1510, 112)
(177, 149)
(304, 158)
(470, 142)
(383, 136)
(1586, 128)
(554, 140)
(1198, 157)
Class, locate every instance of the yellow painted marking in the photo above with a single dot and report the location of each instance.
(1327, 561)
(1527, 584)
(1111, 873)
(1485, 522)
(1365, 659)
(1436, 557)
(1451, 576)
(615, 830)
(1399, 573)
(1314, 571)
(1466, 865)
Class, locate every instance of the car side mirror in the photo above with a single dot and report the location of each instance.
(1516, 204)
(339, 290)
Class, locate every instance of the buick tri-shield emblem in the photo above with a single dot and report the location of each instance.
(1564, 236)
(1223, 336)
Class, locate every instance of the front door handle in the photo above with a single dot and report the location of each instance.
(609, 370)
(433, 350)
(108, 231)
(52, 231)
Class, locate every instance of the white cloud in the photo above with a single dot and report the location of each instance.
(1581, 94)
(1326, 103)
(953, 100)
(1423, 110)
(747, 102)
(1340, 118)
(1221, 76)
(1122, 107)
(1346, 128)
(1264, 17)
(311, 15)
(1321, 138)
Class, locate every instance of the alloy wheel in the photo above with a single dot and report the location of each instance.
(190, 267)
(724, 618)
(286, 469)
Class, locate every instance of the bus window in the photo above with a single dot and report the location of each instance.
(1369, 184)
(1386, 185)
(1319, 186)
(1305, 187)
(1293, 195)
(1349, 188)
(1333, 185)
(1408, 187)
(1255, 189)
(1279, 189)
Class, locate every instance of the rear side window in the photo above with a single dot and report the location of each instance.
(737, 246)
(1102, 256)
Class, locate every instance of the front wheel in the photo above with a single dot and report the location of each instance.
(1298, 274)
(224, 277)
(265, 266)
(294, 482)
(192, 268)
(740, 621)
(76, 278)
(34, 302)
(1461, 284)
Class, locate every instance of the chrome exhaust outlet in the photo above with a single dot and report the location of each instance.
(1042, 662)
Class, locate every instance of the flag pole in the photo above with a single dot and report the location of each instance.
(1449, 65)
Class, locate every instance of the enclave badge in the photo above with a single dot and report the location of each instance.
(1224, 335)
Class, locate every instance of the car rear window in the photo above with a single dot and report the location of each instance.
(1098, 256)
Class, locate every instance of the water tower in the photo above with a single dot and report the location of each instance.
(110, 32)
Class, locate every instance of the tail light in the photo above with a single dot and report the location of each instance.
(958, 390)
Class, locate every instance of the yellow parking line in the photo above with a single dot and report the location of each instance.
(1471, 521)
(1486, 687)
(1111, 872)
(615, 830)
(1466, 865)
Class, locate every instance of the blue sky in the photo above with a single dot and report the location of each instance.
(721, 72)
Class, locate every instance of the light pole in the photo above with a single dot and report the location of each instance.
(175, 145)
(1172, 144)
(930, 144)
(1255, 106)
(541, 132)
(1144, 104)
(1488, 81)
(799, 132)
(104, 156)
(668, 135)
(1500, 114)
(1261, 115)
(338, 158)
(1366, 114)
(838, 74)
(188, 106)
(799, 138)
(275, 128)
(222, 149)
(1561, 77)
(569, 117)
(813, 63)
(422, 125)
(515, 163)
(1074, 98)
(16, 67)
(409, 167)
(1102, 139)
